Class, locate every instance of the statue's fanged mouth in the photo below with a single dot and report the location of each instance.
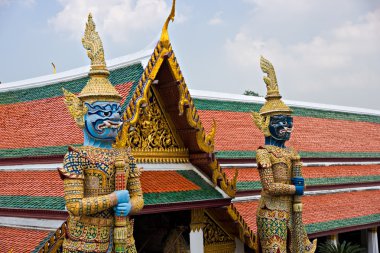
(286, 130)
(109, 124)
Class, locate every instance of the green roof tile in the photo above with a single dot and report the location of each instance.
(336, 224)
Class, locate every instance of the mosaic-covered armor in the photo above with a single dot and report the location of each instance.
(279, 214)
(101, 184)
(89, 183)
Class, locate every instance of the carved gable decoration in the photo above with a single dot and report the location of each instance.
(216, 240)
(152, 137)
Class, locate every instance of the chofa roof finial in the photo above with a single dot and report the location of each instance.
(164, 34)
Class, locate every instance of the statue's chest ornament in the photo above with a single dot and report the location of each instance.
(281, 156)
(101, 159)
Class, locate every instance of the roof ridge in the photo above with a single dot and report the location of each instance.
(141, 56)
(230, 97)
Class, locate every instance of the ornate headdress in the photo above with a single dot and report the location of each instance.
(98, 88)
(273, 105)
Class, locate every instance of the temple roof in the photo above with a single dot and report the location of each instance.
(236, 135)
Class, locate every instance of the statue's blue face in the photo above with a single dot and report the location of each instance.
(280, 127)
(103, 120)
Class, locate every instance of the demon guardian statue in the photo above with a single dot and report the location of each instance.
(279, 215)
(101, 184)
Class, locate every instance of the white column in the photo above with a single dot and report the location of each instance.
(373, 243)
(196, 241)
(239, 246)
(333, 238)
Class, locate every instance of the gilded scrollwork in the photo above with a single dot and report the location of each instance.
(216, 240)
(152, 130)
(212, 233)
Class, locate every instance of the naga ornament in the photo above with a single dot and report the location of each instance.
(279, 215)
(101, 184)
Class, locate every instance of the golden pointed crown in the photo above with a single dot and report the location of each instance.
(273, 104)
(98, 88)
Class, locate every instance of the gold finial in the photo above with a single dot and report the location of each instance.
(164, 34)
(54, 69)
(273, 105)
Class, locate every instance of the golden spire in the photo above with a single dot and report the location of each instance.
(98, 87)
(273, 105)
(164, 34)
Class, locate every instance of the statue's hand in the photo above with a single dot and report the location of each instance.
(299, 183)
(122, 196)
(122, 209)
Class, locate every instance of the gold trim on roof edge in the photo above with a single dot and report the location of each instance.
(228, 186)
(245, 233)
(170, 155)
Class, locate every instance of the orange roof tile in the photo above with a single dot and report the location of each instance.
(165, 181)
(31, 183)
(252, 174)
(236, 131)
(341, 170)
(19, 240)
(49, 184)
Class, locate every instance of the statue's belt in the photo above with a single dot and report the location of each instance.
(109, 222)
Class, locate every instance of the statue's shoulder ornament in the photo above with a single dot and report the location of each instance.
(263, 158)
(74, 163)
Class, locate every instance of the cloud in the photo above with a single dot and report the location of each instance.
(338, 66)
(216, 20)
(27, 3)
(121, 20)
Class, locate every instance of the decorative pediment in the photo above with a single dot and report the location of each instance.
(152, 138)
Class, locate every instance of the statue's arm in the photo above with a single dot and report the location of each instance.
(266, 176)
(73, 180)
(78, 205)
(134, 188)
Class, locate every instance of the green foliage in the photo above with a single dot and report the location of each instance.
(330, 247)
(251, 93)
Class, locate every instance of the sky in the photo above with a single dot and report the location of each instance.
(323, 51)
